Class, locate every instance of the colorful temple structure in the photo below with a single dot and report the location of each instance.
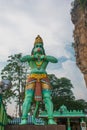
(73, 119)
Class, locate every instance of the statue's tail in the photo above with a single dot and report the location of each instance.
(35, 112)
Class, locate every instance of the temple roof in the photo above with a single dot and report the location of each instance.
(64, 112)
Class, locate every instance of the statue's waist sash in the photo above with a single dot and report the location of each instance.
(37, 76)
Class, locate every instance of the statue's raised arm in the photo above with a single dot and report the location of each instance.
(26, 58)
(51, 59)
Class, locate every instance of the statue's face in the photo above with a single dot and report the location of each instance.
(38, 49)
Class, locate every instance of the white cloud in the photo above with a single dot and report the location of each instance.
(22, 20)
(71, 71)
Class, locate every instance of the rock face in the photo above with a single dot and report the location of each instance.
(79, 19)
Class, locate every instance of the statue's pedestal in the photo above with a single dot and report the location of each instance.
(35, 127)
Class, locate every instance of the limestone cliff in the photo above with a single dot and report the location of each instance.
(79, 19)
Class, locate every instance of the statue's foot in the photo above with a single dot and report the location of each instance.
(23, 122)
(51, 122)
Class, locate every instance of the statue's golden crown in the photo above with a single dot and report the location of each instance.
(38, 39)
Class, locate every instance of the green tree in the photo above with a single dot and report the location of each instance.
(62, 94)
(61, 91)
(16, 72)
(61, 87)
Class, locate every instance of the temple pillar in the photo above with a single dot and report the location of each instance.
(68, 124)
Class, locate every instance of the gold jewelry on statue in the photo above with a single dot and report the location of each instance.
(38, 39)
(38, 63)
(36, 76)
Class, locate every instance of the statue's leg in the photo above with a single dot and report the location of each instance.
(26, 105)
(48, 106)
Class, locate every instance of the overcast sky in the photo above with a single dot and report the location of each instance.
(22, 20)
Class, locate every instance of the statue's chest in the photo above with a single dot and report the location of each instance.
(38, 64)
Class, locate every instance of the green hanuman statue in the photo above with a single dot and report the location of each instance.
(37, 84)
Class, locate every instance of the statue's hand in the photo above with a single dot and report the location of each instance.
(35, 57)
(43, 57)
(40, 57)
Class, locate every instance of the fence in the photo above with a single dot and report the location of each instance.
(17, 121)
